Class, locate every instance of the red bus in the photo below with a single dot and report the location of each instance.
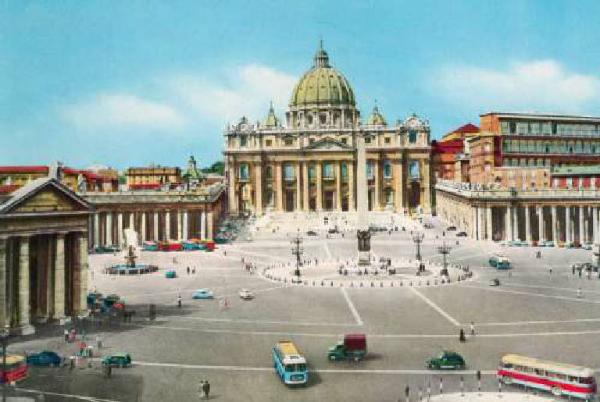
(16, 369)
(558, 378)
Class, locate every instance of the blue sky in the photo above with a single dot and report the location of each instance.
(138, 82)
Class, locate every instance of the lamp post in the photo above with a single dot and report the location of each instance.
(444, 250)
(297, 251)
(4, 335)
(417, 238)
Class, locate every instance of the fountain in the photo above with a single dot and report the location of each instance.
(130, 267)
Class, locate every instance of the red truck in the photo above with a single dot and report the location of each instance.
(352, 347)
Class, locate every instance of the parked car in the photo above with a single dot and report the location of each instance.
(495, 282)
(450, 228)
(45, 358)
(428, 225)
(352, 347)
(246, 294)
(117, 360)
(332, 231)
(461, 234)
(170, 274)
(546, 243)
(587, 246)
(311, 233)
(202, 294)
(446, 360)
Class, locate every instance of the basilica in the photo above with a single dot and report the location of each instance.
(309, 163)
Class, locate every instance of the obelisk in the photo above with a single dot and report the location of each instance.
(362, 225)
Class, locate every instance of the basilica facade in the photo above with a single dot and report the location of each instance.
(309, 163)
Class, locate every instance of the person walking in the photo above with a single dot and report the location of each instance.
(188, 270)
(201, 390)
(66, 334)
(472, 328)
(579, 292)
(461, 336)
(179, 300)
(98, 342)
(206, 389)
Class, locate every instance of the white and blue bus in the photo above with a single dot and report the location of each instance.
(289, 363)
(499, 261)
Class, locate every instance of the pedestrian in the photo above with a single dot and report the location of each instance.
(461, 335)
(194, 271)
(66, 333)
(573, 269)
(98, 342)
(201, 390)
(472, 328)
(579, 292)
(188, 270)
(179, 301)
(224, 253)
(550, 270)
(206, 389)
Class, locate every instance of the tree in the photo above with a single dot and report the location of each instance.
(217, 167)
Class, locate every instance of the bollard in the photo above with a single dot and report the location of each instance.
(407, 393)
(441, 385)
(380, 284)
(313, 283)
(478, 375)
(391, 284)
(372, 284)
(401, 284)
(420, 394)
(462, 386)
(427, 283)
(499, 386)
(429, 390)
(331, 283)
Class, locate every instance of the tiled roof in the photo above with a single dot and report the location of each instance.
(23, 169)
(467, 128)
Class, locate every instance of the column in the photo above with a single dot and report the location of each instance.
(231, 193)
(59, 277)
(96, 229)
(258, 189)
(509, 229)
(398, 186)
(489, 223)
(527, 225)
(515, 223)
(179, 225)
(377, 183)
(568, 238)
(131, 220)
(305, 190)
(338, 186)
(480, 223)
(298, 188)
(595, 224)
(167, 225)
(109, 229)
(120, 229)
(143, 227)
(319, 169)
(209, 225)
(351, 183)
(203, 225)
(541, 228)
(279, 188)
(24, 306)
(186, 229)
(554, 232)
(474, 223)
(581, 226)
(155, 224)
(3, 293)
(83, 273)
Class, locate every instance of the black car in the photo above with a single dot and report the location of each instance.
(450, 228)
(461, 234)
(311, 233)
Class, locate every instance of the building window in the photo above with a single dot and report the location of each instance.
(288, 142)
(554, 128)
(244, 171)
(288, 172)
(387, 169)
(269, 172)
(268, 143)
(344, 140)
(367, 140)
(413, 170)
(412, 136)
(311, 172)
(323, 119)
(243, 140)
(310, 141)
(387, 140)
(310, 119)
(370, 175)
(328, 171)
(344, 170)
(512, 127)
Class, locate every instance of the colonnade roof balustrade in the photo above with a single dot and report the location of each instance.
(208, 194)
(503, 194)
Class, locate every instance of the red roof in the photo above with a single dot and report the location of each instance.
(467, 128)
(8, 188)
(23, 169)
(144, 186)
(447, 147)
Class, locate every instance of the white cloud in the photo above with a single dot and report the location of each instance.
(244, 91)
(122, 110)
(542, 85)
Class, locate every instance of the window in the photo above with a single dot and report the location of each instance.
(344, 170)
(554, 128)
(268, 143)
(512, 127)
(310, 119)
(269, 172)
(244, 171)
(288, 172)
(387, 169)
(370, 171)
(243, 140)
(387, 140)
(344, 140)
(413, 170)
(328, 171)
(310, 141)
(412, 136)
(323, 118)
(367, 140)
(311, 172)
(288, 141)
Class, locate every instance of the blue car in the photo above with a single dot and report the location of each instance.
(202, 294)
(45, 358)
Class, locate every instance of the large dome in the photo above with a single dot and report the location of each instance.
(322, 85)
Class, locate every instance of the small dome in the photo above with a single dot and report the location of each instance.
(376, 118)
(271, 120)
(322, 85)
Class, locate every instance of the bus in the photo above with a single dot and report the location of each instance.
(16, 369)
(289, 363)
(558, 378)
(499, 261)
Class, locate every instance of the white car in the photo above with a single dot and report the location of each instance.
(246, 294)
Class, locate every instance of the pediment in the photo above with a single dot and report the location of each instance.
(329, 144)
(47, 197)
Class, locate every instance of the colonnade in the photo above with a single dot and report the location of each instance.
(42, 276)
(107, 227)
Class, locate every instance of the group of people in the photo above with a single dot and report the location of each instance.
(193, 270)
(461, 333)
(204, 389)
